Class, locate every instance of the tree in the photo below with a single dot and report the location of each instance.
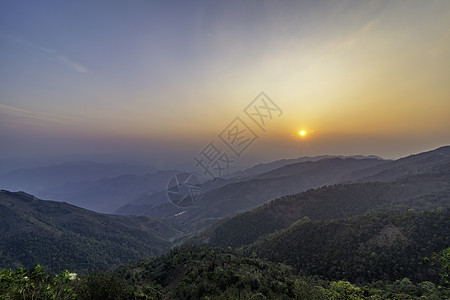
(443, 259)
(35, 283)
(344, 290)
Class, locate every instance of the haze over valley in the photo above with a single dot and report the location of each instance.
(224, 149)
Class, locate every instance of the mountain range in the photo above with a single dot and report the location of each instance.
(95, 186)
(62, 236)
(423, 183)
(227, 197)
(365, 200)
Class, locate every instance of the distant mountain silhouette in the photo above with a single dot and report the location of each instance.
(108, 194)
(410, 165)
(40, 179)
(267, 167)
(235, 197)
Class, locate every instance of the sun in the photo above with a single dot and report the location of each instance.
(302, 134)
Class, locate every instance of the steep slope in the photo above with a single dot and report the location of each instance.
(423, 191)
(61, 236)
(200, 273)
(384, 246)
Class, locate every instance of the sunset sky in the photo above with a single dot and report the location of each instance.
(164, 78)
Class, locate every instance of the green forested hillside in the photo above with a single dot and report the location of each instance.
(422, 192)
(382, 246)
(204, 273)
(60, 236)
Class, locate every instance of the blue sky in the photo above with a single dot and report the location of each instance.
(361, 77)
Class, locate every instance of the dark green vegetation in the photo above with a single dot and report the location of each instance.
(203, 273)
(423, 191)
(383, 246)
(61, 236)
(443, 260)
(194, 273)
(35, 283)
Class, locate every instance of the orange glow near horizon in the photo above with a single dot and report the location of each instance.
(368, 78)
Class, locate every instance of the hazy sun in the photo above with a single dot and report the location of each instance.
(301, 133)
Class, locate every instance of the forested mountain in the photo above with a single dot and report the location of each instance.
(376, 234)
(61, 236)
(422, 191)
(205, 273)
(228, 197)
(382, 246)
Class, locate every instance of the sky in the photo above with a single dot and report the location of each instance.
(161, 80)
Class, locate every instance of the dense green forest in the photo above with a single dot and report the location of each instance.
(388, 255)
(207, 273)
(381, 246)
(421, 192)
(61, 236)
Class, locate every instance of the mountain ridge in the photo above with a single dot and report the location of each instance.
(420, 191)
(62, 236)
(249, 193)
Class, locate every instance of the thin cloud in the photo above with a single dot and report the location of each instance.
(38, 116)
(56, 56)
(72, 64)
